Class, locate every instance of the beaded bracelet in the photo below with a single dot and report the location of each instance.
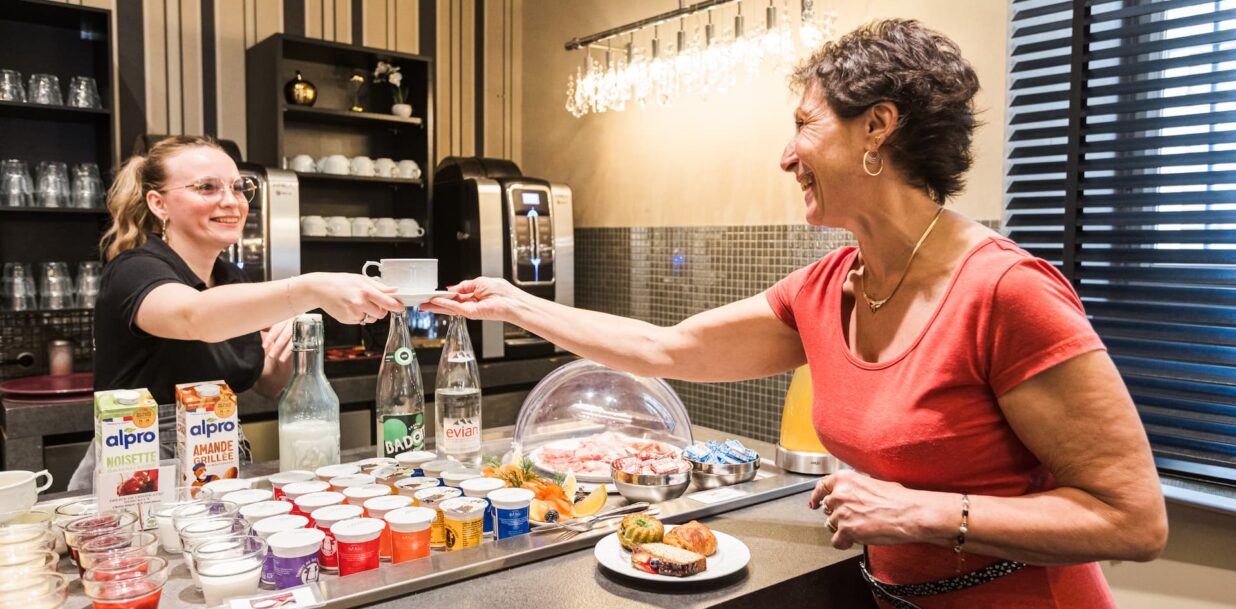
(961, 533)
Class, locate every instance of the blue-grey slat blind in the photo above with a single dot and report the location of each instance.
(1120, 169)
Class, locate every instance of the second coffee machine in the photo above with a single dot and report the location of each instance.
(491, 220)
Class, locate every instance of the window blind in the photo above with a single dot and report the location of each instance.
(1121, 171)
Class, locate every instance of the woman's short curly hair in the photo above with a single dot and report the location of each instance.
(921, 72)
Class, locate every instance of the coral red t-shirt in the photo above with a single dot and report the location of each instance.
(928, 418)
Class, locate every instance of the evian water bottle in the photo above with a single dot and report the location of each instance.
(400, 397)
(457, 398)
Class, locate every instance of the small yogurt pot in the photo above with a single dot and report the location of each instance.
(324, 519)
(339, 483)
(377, 507)
(409, 486)
(267, 527)
(326, 472)
(434, 469)
(463, 519)
(482, 487)
(281, 479)
(358, 495)
(359, 540)
(389, 474)
(307, 504)
(410, 528)
(223, 486)
(432, 498)
(372, 463)
(296, 555)
(255, 512)
(294, 490)
(414, 459)
(249, 496)
(511, 510)
(454, 477)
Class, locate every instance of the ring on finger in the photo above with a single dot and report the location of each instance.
(365, 319)
(832, 527)
(828, 511)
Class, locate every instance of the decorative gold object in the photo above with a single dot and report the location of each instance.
(300, 92)
(355, 83)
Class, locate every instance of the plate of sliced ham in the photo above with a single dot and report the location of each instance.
(589, 457)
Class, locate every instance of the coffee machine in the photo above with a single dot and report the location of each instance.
(491, 220)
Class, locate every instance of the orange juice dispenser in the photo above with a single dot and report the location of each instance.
(799, 449)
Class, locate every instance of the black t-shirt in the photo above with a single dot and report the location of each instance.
(125, 357)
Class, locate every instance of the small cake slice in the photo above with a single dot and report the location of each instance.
(662, 559)
(639, 528)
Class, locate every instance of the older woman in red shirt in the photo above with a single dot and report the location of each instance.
(1000, 453)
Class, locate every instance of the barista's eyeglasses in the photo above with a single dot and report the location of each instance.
(211, 189)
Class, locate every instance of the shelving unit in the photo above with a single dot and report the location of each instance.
(9, 109)
(363, 240)
(356, 180)
(65, 40)
(278, 131)
(346, 118)
(53, 211)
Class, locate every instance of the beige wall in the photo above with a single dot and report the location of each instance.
(1197, 571)
(714, 161)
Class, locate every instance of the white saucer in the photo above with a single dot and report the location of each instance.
(418, 299)
(732, 555)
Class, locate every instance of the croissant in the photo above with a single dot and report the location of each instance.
(692, 536)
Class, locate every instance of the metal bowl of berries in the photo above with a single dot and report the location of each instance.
(713, 475)
(650, 487)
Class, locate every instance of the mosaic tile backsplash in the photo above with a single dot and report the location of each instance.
(663, 275)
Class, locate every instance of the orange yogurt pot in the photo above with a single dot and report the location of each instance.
(410, 529)
(377, 508)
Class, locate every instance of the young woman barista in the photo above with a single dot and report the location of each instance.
(170, 310)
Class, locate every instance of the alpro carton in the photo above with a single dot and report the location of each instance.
(207, 432)
(126, 435)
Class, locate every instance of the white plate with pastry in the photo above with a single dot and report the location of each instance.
(730, 556)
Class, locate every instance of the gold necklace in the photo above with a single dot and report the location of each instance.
(874, 304)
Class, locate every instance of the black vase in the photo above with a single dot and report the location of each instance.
(300, 92)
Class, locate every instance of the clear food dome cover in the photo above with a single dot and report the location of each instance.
(584, 415)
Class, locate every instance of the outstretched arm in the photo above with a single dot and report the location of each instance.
(738, 341)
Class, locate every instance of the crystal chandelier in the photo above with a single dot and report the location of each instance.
(700, 61)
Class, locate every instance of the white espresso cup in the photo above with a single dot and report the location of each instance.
(362, 166)
(386, 168)
(303, 163)
(410, 275)
(409, 227)
(313, 226)
(362, 227)
(409, 169)
(19, 491)
(385, 227)
(336, 164)
(338, 226)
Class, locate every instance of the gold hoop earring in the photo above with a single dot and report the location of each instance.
(871, 158)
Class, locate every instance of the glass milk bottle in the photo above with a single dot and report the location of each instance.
(457, 398)
(308, 407)
(401, 396)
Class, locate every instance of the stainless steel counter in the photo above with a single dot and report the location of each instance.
(27, 424)
(788, 544)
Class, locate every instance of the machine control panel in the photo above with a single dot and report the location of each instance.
(532, 233)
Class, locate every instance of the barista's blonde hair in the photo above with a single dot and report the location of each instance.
(126, 199)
